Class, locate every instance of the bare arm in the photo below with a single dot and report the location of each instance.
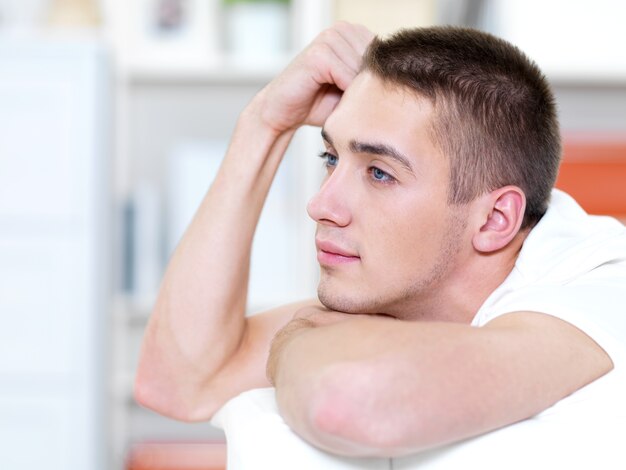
(199, 349)
(383, 387)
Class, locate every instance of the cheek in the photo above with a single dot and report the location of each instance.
(405, 239)
(393, 242)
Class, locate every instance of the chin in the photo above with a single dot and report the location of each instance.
(338, 304)
(336, 296)
(348, 302)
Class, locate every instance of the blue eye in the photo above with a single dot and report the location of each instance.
(330, 160)
(380, 175)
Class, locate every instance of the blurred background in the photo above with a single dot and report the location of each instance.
(114, 116)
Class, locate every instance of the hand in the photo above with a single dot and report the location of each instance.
(308, 90)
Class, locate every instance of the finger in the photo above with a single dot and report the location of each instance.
(324, 104)
(327, 67)
(358, 36)
(342, 75)
(342, 48)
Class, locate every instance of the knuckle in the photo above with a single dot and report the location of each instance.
(327, 35)
(318, 51)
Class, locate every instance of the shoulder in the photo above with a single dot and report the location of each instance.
(572, 266)
(567, 242)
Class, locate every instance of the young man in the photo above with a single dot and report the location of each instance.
(458, 295)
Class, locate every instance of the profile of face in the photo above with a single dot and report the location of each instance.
(387, 240)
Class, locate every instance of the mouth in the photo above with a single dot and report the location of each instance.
(330, 254)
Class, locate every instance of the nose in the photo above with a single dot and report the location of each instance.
(330, 206)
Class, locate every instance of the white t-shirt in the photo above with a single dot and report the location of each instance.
(572, 266)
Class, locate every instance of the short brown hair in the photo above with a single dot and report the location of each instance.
(495, 115)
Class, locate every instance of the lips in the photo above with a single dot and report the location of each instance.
(329, 253)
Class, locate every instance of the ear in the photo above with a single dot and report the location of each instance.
(502, 215)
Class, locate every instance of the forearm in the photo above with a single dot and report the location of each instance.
(376, 387)
(334, 384)
(198, 320)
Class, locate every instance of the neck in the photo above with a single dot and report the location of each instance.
(460, 295)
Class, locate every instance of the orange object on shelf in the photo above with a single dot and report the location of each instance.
(177, 456)
(594, 173)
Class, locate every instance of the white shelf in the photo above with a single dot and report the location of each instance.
(589, 77)
(226, 70)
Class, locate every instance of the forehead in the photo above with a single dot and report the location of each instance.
(374, 110)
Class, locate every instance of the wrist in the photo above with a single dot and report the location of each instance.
(256, 114)
(255, 146)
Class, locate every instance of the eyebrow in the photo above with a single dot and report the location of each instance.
(375, 148)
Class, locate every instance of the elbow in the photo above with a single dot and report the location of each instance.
(160, 396)
(147, 396)
(169, 390)
(350, 415)
(152, 395)
(144, 395)
(333, 428)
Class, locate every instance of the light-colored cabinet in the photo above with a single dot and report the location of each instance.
(54, 253)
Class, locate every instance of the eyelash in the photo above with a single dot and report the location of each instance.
(326, 156)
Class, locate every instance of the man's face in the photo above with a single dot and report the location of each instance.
(387, 240)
